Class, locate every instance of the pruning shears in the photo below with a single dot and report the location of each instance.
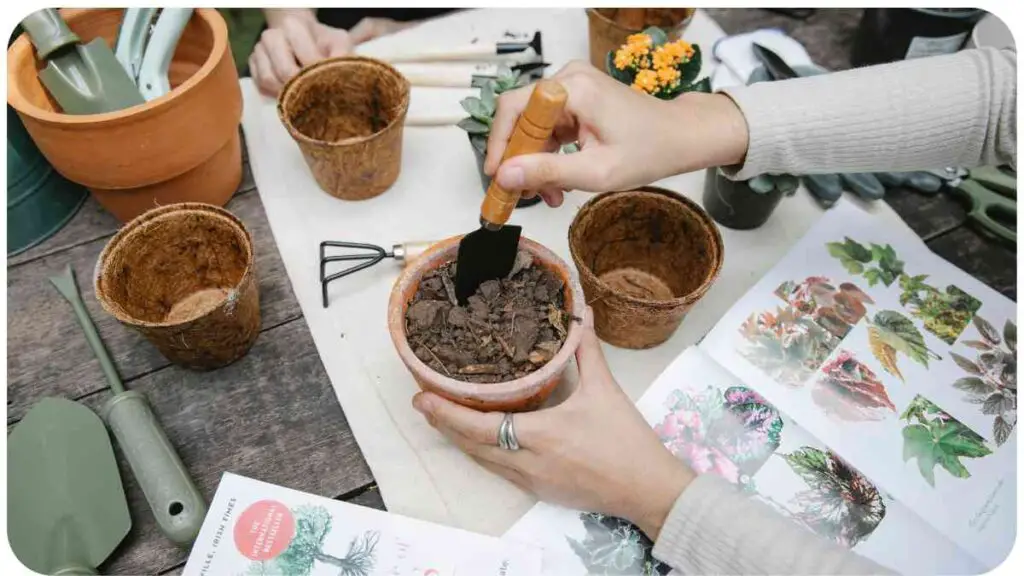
(991, 193)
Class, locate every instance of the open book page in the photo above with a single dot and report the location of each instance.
(901, 363)
(257, 528)
(718, 425)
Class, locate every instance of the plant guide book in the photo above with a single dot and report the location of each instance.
(255, 528)
(864, 388)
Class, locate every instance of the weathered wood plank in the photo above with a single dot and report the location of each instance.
(985, 259)
(271, 416)
(47, 353)
(928, 216)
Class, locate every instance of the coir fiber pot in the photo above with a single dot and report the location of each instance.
(485, 180)
(521, 394)
(347, 115)
(734, 204)
(644, 257)
(181, 147)
(184, 276)
(607, 35)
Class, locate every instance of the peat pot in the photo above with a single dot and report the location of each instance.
(181, 147)
(606, 35)
(521, 394)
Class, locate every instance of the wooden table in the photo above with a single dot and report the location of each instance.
(272, 415)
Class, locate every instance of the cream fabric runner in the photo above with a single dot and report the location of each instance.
(438, 195)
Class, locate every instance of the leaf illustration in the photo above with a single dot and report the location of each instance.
(851, 265)
(987, 331)
(917, 443)
(1001, 430)
(966, 365)
(939, 441)
(974, 385)
(885, 353)
(872, 276)
(1010, 335)
(977, 344)
(997, 404)
(898, 331)
(851, 391)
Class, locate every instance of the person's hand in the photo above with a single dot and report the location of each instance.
(293, 39)
(369, 28)
(626, 138)
(592, 452)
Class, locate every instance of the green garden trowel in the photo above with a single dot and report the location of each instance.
(82, 78)
(66, 506)
(177, 505)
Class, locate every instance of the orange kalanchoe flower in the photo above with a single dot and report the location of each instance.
(646, 80)
(668, 76)
(623, 58)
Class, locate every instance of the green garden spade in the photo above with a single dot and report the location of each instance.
(66, 506)
(177, 505)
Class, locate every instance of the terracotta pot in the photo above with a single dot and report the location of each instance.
(521, 394)
(645, 257)
(347, 115)
(734, 205)
(145, 150)
(606, 34)
(184, 276)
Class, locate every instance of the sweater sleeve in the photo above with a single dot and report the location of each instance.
(713, 529)
(926, 113)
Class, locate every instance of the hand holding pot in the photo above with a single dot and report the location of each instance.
(293, 39)
(626, 139)
(593, 451)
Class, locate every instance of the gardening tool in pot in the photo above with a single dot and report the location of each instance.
(156, 60)
(366, 255)
(132, 35)
(177, 505)
(82, 78)
(490, 252)
(66, 506)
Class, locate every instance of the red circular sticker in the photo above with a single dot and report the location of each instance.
(264, 530)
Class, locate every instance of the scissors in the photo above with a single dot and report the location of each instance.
(991, 193)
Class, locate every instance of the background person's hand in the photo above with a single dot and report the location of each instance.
(626, 138)
(593, 452)
(293, 39)
(369, 28)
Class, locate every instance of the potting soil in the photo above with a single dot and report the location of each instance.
(509, 328)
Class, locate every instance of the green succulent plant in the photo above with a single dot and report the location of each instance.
(481, 109)
(766, 183)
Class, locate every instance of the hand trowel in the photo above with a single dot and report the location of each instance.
(177, 505)
(490, 252)
(66, 506)
(82, 78)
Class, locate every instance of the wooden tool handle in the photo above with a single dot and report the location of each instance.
(531, 133)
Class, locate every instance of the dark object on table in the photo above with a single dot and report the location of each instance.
(735, 204)
(796, 13)
(176, 503)
(489, 252)
(991, 195)
(67, 509)
(773, 63)
(891, 34)
(368, 255)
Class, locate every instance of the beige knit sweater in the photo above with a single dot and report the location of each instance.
(955, 110)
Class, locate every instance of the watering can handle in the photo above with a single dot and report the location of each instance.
(48, 32)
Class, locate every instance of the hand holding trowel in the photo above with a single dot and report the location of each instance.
(490, 252)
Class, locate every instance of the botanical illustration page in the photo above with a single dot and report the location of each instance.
(255, 528)
(719, 425)
(902, 364)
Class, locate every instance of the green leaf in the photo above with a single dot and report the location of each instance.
(872, 275)
(1001, 430)
(977, 345)
(479, 142)
(987, 331)
(658, 36)
(475, 107)
(953, 465)
(836, 249)
(974, 385)
(704, 85)
(691, 68)
(918, 443)
(966, 365)
(997, 404)
(624, 76)
(857, 251)
(488, 99)
(877, 252)
(1010, 335)
(474, 126)
(851, 265)
(958, 440)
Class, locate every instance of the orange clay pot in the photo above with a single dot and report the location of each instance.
(519, 395)
(181, 147)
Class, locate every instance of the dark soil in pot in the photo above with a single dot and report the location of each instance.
(510, 327)
(734, 205)
(480, 151)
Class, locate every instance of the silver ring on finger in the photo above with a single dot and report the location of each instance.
(507, 434)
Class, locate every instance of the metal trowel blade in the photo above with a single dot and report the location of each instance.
(88, 79)
(485, 255)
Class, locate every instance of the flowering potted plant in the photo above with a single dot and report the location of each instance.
(649, 63)
(481, 114)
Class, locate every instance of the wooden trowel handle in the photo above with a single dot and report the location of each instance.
(530, 135)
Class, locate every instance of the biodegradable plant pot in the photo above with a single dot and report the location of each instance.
(184, 277)
(645, 257)
(347, 115)
(521, 394)
(606, 35)
(734, 205)
(485, 180)
(155, 152)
